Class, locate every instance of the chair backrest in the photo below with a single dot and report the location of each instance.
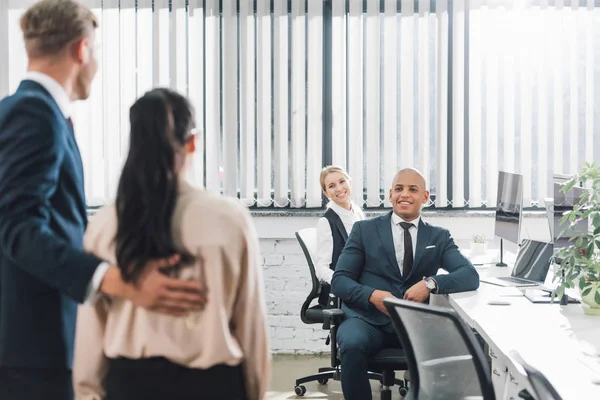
(308, 242)
(442, 353)
(539, 383)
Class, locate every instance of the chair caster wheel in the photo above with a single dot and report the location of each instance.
(403, 391)
(323, 381)
(300, 390)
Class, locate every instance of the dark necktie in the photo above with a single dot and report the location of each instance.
(407, 263)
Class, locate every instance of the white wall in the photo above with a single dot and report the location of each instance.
(287, 278)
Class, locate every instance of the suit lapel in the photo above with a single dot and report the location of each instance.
(340, 226)
(422, 239)
(384, 226)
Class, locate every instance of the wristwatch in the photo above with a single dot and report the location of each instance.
(431, 284)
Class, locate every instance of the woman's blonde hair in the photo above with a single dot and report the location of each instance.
(330, 169)
(334, 168)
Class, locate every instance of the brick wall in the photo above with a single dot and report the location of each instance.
(287, 282)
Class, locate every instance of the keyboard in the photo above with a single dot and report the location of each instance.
(518, 280)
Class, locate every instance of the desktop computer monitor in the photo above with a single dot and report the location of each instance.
(563, 203)
(509, 210)
(509, 206)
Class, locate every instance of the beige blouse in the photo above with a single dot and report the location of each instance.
(231, 330)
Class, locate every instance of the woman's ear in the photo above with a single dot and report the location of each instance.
(190, 146)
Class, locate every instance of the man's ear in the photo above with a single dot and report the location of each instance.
(82, 51)
(425, 196)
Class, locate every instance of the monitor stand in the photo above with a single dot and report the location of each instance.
(501, 263)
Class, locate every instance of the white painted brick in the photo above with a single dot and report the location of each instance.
(288, 246)
(285, 333)
(267, 246)
(275, 284)
(273, 259)
(296, 259)
(309, 334)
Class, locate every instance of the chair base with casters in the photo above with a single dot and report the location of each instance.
(385, 361)
(382, 365)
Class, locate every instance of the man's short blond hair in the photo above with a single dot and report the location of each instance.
(50, 25)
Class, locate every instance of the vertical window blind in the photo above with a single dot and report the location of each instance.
(458, 89)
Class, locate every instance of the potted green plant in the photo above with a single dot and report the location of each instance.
(478, 245)
(580, 261)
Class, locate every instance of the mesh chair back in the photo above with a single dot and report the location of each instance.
(539, 383)
(308, 242)
(444, 357)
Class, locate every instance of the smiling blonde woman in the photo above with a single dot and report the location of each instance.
(335, 225)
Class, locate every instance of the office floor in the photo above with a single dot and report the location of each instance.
(287, 368)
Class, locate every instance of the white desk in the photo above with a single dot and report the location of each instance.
(550, 337)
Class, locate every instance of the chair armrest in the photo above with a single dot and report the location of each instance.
(333, 317)
(333, 312)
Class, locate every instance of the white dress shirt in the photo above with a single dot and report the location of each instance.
(325, 238)
(61, 98)
(398, 235)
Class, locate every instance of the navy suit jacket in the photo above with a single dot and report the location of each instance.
(43, 269)
(368, 262)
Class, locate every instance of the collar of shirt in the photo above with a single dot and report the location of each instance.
(341, 210)
(396, 220)
(57, 92)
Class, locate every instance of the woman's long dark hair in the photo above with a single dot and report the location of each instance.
(161, 124)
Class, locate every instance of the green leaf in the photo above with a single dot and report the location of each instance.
(581, 284)
(568, 186)
(596, 220)
(586, 292)
(597, 297)
(589, 252)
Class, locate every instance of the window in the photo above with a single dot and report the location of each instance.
(457, 89)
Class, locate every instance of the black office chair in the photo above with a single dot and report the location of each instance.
(312, 314)
(443, 354)
(383, 364)
(542, 388)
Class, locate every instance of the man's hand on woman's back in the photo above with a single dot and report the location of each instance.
(156, 291)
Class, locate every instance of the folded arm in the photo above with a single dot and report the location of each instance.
(345, 282)
(32, 150)
(461, 276)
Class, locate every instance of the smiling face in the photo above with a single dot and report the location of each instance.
(408, 194)
(337, 189)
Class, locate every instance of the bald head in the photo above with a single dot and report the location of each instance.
(411, 171)
(408, 193)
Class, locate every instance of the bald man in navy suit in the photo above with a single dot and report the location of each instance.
(396, 255)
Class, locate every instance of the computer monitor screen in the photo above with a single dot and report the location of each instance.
(563, 203)
(533, 260)
(509, 206)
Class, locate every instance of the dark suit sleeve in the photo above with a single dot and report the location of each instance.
(461, 276)
(31, 151)
(348, 270)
